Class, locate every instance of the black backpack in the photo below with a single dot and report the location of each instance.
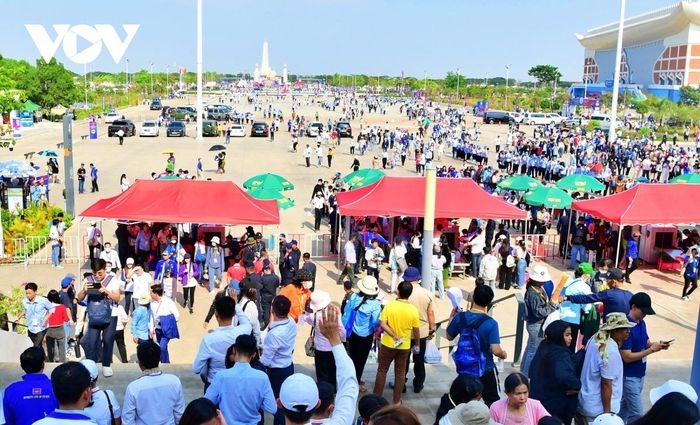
(579, 235)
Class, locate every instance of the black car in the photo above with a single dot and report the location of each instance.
(344, 129)
(127, 126)
(497, 117)
(259, 129)
(155, 104)
(176, 128)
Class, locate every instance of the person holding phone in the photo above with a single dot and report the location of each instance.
(634, 351)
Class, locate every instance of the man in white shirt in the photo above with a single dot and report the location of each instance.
(350, 260)
(477, 244)
(374, 257)
(307, 156)
(71, 386)
(602, 374)
(142, 282)
(104, 406)
(156, 398)
(488, 268)
(163, 309)
(111, 256)
(211, 356)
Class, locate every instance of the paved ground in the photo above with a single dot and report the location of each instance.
(246, 157)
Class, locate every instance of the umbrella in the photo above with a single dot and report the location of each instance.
(268, 181)
(169, 177)
(548, 197)
(363, 177)
(217, 148)
(168, 152)
(17, 169)
(48, 152)
(520, 183)
(686, 178)
(642, 180)
(580, 183)
(282, 201)
(58, 110)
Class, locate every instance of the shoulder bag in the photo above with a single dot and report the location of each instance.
(310, 345)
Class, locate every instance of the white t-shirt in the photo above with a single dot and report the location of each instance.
(589, 402)
(99, 411)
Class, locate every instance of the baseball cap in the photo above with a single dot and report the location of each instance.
(91, 367)
(673, 386)
(615, 273)
(234, 285)
(288, 245)
(282, 235)
(299, 393)
(608, 419)
(65, 282)
(294, 242)
(129, 260)
(642, 301)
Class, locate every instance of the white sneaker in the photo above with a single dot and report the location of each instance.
(107, 371)
(685, 298)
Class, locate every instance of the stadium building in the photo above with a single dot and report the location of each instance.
(660, 54)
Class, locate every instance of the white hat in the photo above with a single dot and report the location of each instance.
(471, 413)
(608, 419)
(319, 300)
(540, 273)
(518, 238)
(216, 240)
(144, 299)
(93, 223)
(501, 237)
(129, 260)
(299, 390)
(455, 296)
(91, 367)
(673, 386)
(368, 285)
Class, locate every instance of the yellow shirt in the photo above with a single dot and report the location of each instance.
(402, 317)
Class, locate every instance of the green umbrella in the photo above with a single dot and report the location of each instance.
(520, 183)
(282, 201)
(363, 177)
(580, 183)
(686, 178)
(548, 197)
(268, 181)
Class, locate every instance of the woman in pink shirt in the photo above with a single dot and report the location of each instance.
(517, 408)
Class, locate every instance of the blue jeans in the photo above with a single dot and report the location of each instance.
(476, 263)
(522, 264)
(81, 185)
(533, 341)
(55, 250)
(277, 375)
(214, 274)
(163, 342)
(631, 406)
(578, 255)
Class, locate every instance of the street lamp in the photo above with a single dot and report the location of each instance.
(457, 85)
(151, 79)
(507, 78)
(126, 87)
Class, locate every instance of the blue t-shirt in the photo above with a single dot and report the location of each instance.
(691, 267)
(488, 333)
(636, 342)
(29, 400)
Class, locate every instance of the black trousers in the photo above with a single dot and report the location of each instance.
(188, 296)
(37, 338)
(490, 382)
(94, 186)
(358, 350)
(121, 346)
(318, 214)
(325, 367)
(418, 364)
(690, 282)
(101, 338)
(631, 267)
(277, 377)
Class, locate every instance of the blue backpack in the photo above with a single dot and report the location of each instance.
(469, 357)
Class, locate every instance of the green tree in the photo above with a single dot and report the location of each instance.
(52, 85)
(690, 96)
(544, 74)
(9, 100)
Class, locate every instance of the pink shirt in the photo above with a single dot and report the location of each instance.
(534, 411)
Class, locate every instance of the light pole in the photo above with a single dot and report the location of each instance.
(616, 78)
(507, 78)
(167, 78)
(126, 86)
(151, 79)
(85, 76)
(200, 108)
(458, 85)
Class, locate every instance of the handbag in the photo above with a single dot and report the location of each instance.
(403, 265)
(310, 345)
(432, 353)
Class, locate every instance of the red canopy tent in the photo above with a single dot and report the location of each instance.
(405, 196)
(185, 201)
(646, 203)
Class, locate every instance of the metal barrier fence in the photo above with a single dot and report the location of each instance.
(37, 250)
(318, 245)
(542, 247)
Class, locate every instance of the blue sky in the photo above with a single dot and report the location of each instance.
(374, 37)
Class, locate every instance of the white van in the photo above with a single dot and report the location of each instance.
(602, 120)
(538, 118)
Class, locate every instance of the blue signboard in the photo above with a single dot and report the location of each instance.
(609, 84)
(93, 129)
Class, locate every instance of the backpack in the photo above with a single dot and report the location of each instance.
(99, 308)
(469, 357)
(579, 235)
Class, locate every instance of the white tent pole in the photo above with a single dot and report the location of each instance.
(619, 244)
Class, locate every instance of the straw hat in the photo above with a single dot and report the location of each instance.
(368, 285)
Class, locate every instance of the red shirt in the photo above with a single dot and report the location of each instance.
(59, 316)
(259, 266)
(236, 272)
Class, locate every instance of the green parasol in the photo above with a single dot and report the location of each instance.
(549, 197)
(693, 178)
(520, 183)
(580, 183)
(282, 201)
(363, 177)
(268, 181)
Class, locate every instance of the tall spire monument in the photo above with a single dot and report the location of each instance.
(265, 63)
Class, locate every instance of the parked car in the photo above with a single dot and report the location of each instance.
(219, 114)
(497, 117)
(111, 117)
(517, 117)
(259, 129)
(537, 118)
(155, 104)
(149, 128)
(344, 129)
(555, 118)
(237, 130)
(210, 128)
(314, 128)
(127, 126)
(176, 128)
(184, 113)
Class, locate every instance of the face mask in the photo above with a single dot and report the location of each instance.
(173, 242)
(307, 285)
(108, 249)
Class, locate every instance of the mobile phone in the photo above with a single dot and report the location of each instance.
(667, 342)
